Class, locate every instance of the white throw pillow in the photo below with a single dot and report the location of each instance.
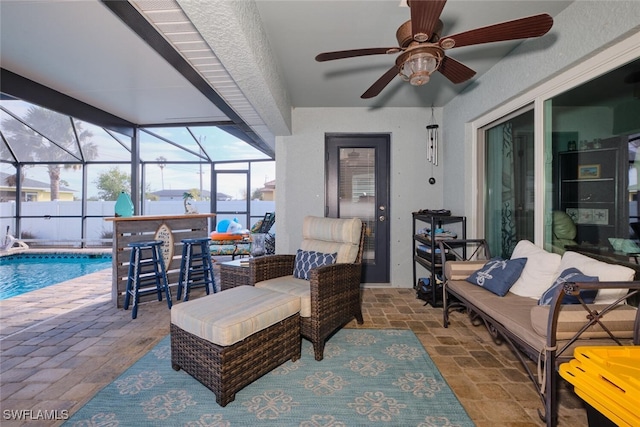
(539, 272)
(604, 271)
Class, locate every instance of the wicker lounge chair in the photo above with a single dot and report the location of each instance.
(331, 296)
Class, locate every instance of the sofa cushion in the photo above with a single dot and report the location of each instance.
(511, 310)
(306, 260)
(603, 271)
(620, 321)
(291, 286)
(228, 317)
(570, 275)
(498, 275)
(539, 273)
(329, 235)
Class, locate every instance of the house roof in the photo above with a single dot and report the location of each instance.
(28, 183)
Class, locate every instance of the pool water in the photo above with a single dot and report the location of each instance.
(22, 273)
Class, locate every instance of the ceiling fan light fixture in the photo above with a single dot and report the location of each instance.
(418, 65)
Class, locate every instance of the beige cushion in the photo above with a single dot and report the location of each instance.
(539, 272)
(620, 321)
(292, 286)
(230, 316)
(460, 270)
(604, 271)
(329, 235)
(511, 310)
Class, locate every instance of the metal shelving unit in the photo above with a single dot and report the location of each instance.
(431, 261)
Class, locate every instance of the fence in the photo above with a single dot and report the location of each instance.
(60, 224)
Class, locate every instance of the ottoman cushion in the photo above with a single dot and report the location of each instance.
(228, 317)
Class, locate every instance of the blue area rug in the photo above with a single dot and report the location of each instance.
(367, 378)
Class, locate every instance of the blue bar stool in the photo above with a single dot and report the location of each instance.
(196, 268)
(146, 268)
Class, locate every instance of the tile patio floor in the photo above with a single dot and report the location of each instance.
(62, 344)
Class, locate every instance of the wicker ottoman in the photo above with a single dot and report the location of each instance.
(229, 339)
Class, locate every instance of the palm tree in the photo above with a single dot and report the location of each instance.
(12, 180)
(48, 137)
(162, 162)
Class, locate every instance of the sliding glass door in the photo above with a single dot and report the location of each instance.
(509, 190)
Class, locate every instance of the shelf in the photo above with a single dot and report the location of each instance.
(583, 180)
(425, 262)
(602, 194)
(427, 240)
(568, 204)
(432, 261)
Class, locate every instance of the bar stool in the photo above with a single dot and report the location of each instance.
(196, 268)
(146, 267)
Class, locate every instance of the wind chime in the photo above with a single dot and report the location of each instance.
(432, 145)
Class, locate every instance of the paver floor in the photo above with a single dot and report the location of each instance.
(62, 344)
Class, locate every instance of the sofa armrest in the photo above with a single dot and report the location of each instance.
(595, 315)
(460, 270)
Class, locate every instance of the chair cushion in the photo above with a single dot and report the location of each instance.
(221, 249)
(256, 226)
(230, 316)
(563, 226)
(306, 260)
(227, 236)
(291, 286)
(498, 275)
(329, 235)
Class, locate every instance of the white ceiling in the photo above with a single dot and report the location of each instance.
(299, 30)
(80, 48)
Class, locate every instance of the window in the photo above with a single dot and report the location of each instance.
(581, 176)
(595, 132)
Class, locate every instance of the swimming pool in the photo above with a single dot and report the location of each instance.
(22, 273)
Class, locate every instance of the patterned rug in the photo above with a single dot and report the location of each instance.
(367, 378)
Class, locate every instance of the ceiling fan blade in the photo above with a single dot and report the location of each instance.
(381, 83)
(532, 26)
(424, 17)
(340, 54)
(455, 71)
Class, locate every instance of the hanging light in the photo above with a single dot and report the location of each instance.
(432, 141)
(416, 65)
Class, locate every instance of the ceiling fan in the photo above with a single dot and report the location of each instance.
(422, 50)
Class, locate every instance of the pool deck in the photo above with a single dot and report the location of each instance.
(61, 344)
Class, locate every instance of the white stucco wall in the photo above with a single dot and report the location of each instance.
(579, 32)
(300, 173)
(583, 29)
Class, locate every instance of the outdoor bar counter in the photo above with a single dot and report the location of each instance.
(171, 229)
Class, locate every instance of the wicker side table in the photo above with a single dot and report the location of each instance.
(234, 273)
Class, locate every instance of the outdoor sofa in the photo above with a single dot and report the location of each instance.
(548, 334)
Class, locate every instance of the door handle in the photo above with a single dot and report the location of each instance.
(382, 218)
